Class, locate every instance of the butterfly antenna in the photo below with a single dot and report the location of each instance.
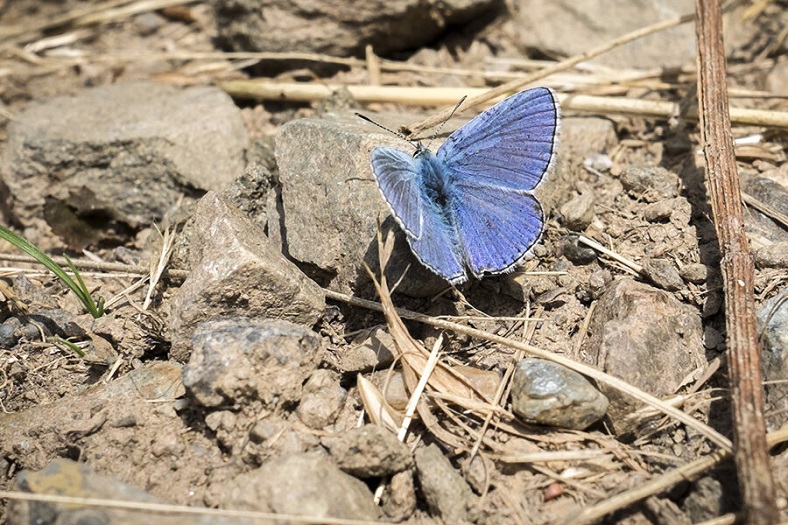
(381, 126)
(453, 111)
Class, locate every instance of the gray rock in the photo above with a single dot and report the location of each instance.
(322, 400)
(591, 23)
(645, 337)
(118, 157)
(369, 451)
(235, 271)
(301, 484)
(399, 499)
(578, 212)
(694, 272)
(241, 360)
(650, 183)
(373, 353)
(448, 495)
(575, 252)
(339, 28)
(773, 324)
(663, 273)
(331, 204)
(659, 211)
(706, 500)
(774, 255)
(550, 394)
(771, 189)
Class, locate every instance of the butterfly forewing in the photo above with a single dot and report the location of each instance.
(399, 180)
(511, 145)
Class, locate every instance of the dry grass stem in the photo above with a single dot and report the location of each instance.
(430, 96)
(614, 382)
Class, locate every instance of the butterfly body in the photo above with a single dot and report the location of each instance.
(469, 207)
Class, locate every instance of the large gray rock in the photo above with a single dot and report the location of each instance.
(571, 27)
(645, 337)
(236, 271)
(339, 28)
(116, 158)
(331, 204)
(302, 484)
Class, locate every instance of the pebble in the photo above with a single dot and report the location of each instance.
(550, 394)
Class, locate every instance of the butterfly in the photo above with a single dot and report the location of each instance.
(469, 208)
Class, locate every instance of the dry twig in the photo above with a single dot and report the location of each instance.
(738, 271)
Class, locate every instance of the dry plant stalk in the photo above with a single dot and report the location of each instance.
(751, 454)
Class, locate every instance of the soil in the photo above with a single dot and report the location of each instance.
(148, 408)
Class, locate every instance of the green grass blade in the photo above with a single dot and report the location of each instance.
(79, 289)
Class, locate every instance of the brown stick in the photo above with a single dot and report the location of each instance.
(751, 454)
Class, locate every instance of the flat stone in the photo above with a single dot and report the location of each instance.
(118, 157)
(235, 271)
(369, 451)
(307, 485)
(238, 360)
(340, 28)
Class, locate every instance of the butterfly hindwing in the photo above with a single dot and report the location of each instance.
(439, 248)
(511, 145)
(496, 227)
(399, 181)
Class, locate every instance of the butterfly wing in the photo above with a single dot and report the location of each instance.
(511, 145)
(496, 226)
(401, 181)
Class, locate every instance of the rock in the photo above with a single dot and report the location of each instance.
(600, 162)
(659, 211)
(238, 360)
(301, 484)
(663, 273)
(447, 494)
(650, 183)
(399, 500)
(774, 255)
(65, 477)
(645, 337)
(773, 324)
(578, 212)
(546, 26)
(322, 400)
(368, 452)
(772, 190)
(373, 353)
(572, 250)
(339, 28)
(331, 204)
(550, 394)
(235, 271)
(147, 143)
(706, 500)
(696, 273)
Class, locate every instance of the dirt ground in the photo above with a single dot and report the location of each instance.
(245, 379)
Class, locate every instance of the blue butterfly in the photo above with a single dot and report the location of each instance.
(470, 207)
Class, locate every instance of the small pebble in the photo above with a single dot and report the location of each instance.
(694, 273)
(578, 213)
(580, 255)
(663, 273)
(550, 394)
(600, 162)
(658, 211)
(772, 256)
